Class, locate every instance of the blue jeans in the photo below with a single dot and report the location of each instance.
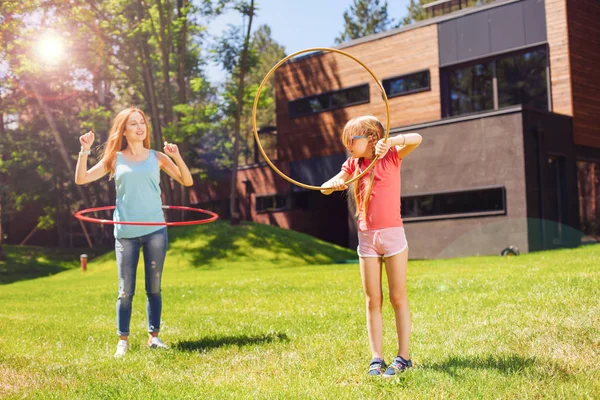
(127, 251)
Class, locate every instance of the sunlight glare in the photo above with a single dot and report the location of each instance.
(50, 48)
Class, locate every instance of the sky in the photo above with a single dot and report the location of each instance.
(298, 24)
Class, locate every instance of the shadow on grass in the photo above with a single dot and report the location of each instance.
(31, 262)
(507, 364)
(215, 342)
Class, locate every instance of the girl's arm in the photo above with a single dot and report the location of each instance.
(338, 182)
(82, 174)
(177, 170)
(407, 142)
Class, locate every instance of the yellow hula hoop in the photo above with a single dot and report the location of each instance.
(254, 128)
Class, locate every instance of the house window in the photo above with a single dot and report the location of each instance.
(407, 84)
(471, 89)
(271, 203)
(477, 202)
(522, 80)
(505, 80)
(329, 101)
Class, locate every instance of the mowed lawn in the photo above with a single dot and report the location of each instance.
(258, 312)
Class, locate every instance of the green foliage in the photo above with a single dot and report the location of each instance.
(264, 53)
(365, 17)
(110, 45)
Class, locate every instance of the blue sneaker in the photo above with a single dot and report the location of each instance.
(376, 367)
(398, 365)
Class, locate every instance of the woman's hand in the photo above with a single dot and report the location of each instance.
(171, 149)
(86, 141)
(381, 148)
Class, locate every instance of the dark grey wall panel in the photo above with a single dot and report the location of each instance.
(507, 30)
(494, 30)
(473, 36)
(447, 41)
(534, 13)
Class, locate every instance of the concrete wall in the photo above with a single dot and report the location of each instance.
(487, 151)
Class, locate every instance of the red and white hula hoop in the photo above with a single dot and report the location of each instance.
(80, 215)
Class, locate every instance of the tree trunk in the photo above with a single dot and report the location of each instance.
(2, 135)
(235, 216)
(150, 88)
(165, 44)
(181, 84)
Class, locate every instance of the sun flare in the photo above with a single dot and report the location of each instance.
(51, 48)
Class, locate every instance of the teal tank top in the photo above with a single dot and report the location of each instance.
(138, 196)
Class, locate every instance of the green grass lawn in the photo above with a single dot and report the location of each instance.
(257, 312)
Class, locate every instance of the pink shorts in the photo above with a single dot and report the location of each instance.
(381, 242)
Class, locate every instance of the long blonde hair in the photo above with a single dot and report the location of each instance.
(116, 138)
(373, 128)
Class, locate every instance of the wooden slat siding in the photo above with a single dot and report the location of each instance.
(558, 43)
(265, 181)
(319, 134)
(584, 45)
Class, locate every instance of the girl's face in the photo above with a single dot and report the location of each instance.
(358, 147)
(135, 129)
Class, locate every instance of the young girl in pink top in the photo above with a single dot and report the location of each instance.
(380, 231)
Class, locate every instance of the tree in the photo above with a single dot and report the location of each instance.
(415, 11)
(365, 17)
(270, 53)
(145, 52)
(236, 56)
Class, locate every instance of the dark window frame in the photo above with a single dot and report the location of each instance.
(420, 90)
(286, 206)
(329, 94)
(493, 59)
(476, 214)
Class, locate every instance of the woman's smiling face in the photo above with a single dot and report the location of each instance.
(135, 129)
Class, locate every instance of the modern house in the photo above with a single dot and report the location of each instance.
(505, 96)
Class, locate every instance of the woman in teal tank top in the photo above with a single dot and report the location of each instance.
(136, 171)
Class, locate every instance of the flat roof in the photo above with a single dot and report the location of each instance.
(416, 25)
(438, 2)
(426, 22)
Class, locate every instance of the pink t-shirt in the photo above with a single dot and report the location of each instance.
(384, 206)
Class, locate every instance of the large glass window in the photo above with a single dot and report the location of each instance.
(521, 78)
(471, 89)
(407, 84)
(454, 204)
(329, 101)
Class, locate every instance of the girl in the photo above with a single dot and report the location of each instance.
(136, 169)
(380, 231)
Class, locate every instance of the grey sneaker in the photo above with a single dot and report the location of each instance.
(397, 366)
(122, 348)
(156, 343)
(376, 367)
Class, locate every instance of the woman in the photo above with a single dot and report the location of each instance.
(136, 169)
